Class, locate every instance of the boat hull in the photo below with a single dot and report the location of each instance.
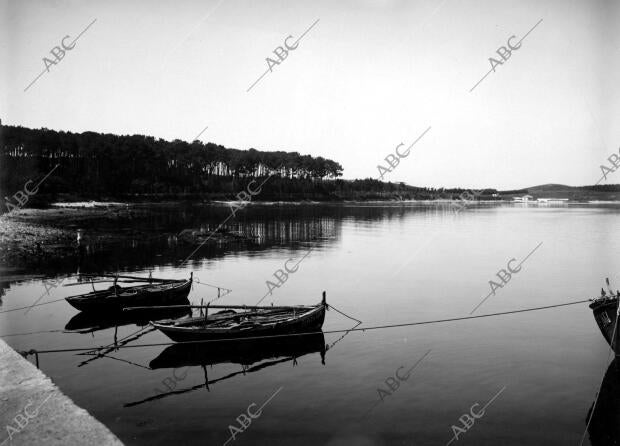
(107, 301)
(605, 314)
(603, 419)
(310, 322)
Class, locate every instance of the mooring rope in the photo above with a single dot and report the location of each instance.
(197, 280)
(115, 343)
(363, 329)
(344, 314)
(31, 306)
(30, 333)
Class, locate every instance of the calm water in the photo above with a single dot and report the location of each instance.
(382, 265)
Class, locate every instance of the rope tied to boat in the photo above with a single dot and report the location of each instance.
(344, 314)
(362, 329)
(219, 288)
(32, 306)
(27, 353)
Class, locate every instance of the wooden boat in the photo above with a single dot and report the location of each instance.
(605, 310)
(250, 322)
(115, 298)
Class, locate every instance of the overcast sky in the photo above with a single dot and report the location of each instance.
(368, 76)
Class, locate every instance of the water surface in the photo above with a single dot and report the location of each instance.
(382, 264)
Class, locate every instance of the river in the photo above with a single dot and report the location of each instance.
(536, 372)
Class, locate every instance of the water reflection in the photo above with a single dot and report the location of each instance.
(90, 322)
(244, 353)
(192, 237)
(604, 428)
(152, 235)
(251, 355)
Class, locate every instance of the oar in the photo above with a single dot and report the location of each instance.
(611, 293)
(142, 279)
(101, 281)
(234, 307)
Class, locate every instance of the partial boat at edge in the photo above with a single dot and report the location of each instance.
(605, 310)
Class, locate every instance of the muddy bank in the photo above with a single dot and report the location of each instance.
(31, 238)
(25, 244)
(34, 240)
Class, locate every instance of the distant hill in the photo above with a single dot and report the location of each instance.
(602, 192)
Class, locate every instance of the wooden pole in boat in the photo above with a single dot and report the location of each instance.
(235, 307)
(611, 293)
(206, 315)
(142, 279)
(323, 302)
(99, 281)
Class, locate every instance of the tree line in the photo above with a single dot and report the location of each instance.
(115, 165)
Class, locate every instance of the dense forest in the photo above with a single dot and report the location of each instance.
(94, 163)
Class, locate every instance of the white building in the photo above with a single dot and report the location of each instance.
(523, 199)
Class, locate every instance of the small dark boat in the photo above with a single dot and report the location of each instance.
(115, 298)
(250, 322)
(605, 310)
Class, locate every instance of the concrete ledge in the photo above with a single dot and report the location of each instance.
(33, 411)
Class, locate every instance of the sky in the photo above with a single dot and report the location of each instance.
(366, 77)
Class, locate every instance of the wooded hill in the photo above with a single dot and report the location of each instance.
(98, 164)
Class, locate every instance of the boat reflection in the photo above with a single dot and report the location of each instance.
(90, 322)
(604, 427)
(251, 355)
(244, 353)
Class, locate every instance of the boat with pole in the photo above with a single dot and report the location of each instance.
(242, 321)
(155, 292)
